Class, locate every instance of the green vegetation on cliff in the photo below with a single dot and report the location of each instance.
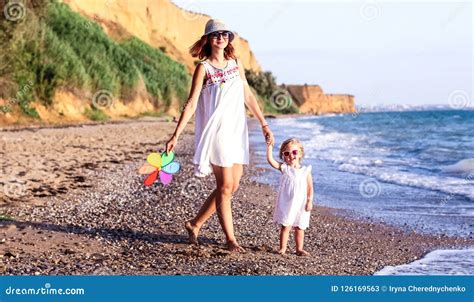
(272, 98)
(54, 47)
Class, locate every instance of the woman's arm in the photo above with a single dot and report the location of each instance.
(270, 158)
(309, 200)
(252, 105)
(189, 107)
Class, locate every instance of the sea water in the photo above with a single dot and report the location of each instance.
(412, 169)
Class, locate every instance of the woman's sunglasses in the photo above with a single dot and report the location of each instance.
(287, 153)
(223, 34)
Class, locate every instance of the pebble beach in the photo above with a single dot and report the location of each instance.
(72, 203)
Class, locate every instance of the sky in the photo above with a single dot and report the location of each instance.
(398, 52)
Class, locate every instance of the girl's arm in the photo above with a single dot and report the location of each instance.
(270, 158)
(189, 107)
(252, 105)
(309, 200)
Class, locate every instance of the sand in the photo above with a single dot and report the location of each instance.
(72, 204)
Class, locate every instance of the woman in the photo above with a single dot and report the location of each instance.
(218, 95)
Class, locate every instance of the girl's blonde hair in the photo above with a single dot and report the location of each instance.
(289, 142)
(202, 49)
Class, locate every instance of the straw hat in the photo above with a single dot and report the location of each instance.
(217, 25)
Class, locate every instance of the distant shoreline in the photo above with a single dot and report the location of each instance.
(39, 125)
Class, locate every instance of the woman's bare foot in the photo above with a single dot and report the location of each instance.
(234, 247)
(192, 232)
(282, 251)
(302, 253)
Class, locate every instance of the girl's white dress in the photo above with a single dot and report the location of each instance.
(292, 196)
(221, 134)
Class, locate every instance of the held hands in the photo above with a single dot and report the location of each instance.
(267, 133)
(309, 206)
(171, 143)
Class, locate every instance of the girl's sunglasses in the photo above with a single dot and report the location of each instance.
(223, 34)
(287, 153)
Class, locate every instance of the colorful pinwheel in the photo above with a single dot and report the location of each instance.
(161, 165)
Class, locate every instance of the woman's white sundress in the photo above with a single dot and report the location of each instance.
(292, 196)
(221, 134)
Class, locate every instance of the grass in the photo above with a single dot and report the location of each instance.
(264, 85)
(269, 109)
(153, 113)
(164, 78)
(96, 114)
(5, 108)
(56, 48)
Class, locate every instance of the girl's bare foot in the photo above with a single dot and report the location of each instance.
(192, 232)
(233, 246)
(282, 251)
(302, 253)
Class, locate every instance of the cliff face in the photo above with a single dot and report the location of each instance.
(311, 99)
(159, 23)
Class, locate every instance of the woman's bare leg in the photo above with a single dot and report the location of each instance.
(205, 212)
(209, 207)
(237, 170)
(225, 185)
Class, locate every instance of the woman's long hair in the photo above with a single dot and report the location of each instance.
(202, 49)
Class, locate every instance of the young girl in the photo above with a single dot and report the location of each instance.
(219, 94)
(295, 194)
